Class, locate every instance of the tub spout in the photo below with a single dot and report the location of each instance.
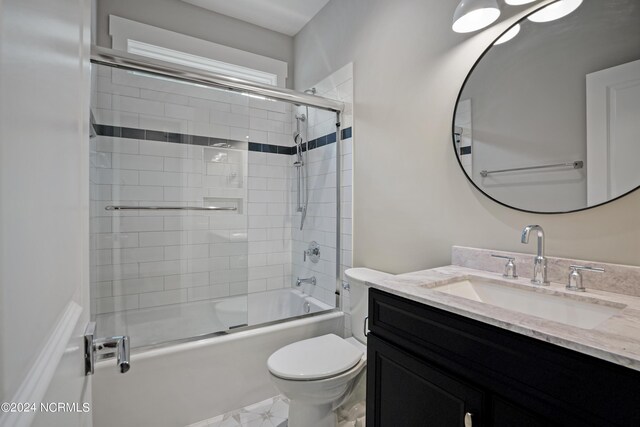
(301, 282)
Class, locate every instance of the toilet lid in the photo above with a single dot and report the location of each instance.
(314, 358)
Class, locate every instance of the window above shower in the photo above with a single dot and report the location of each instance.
(160, 44)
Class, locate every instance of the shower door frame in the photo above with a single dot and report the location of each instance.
(131, 62)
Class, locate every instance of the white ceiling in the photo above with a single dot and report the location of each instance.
(283, 16)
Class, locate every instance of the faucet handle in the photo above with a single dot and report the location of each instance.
(313, 252)
(575, 276)
(509, 268)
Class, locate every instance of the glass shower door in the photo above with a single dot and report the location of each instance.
(169, 248)
(314, 207)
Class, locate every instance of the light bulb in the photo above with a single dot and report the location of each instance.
(508, 35)
(555, 11)
(473, 15)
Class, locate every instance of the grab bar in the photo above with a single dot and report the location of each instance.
(167, 208)
(578, 164)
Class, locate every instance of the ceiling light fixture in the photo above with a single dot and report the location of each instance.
(508, 35)
(555, 11)
(518, 2)
(473, 15)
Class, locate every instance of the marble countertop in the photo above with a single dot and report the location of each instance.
(617, 339)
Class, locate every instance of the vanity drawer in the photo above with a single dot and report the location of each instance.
(558, 383)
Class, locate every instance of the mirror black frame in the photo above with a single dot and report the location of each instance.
(453, 137)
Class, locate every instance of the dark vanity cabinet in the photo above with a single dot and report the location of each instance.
(428, 367)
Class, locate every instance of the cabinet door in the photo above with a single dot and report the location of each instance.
(405, 391)
(507, 414)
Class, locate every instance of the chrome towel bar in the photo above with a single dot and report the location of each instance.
(578, 164)
(167, 208)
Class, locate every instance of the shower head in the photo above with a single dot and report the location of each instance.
(312, 91)
(301, 117)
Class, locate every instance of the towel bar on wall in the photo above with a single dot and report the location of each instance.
(168, 208)
(578, 164)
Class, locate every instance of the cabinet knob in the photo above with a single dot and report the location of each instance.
(468, 419)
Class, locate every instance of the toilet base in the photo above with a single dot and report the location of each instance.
(305, 415)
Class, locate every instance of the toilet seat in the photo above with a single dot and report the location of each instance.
(314, 359)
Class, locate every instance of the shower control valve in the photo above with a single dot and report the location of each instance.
(313, 252)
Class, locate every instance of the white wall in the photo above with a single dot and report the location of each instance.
(411, 200)
(182, 17)
(44, 82)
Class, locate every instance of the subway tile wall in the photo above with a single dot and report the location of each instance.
(464, 135)
(269, 221)
(136, 100)
(143, 259)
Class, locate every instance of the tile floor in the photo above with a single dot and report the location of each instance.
(272, 412)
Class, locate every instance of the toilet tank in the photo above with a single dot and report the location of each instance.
(359, 297)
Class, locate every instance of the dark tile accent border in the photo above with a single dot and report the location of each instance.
(132, 133)
(269, 148)
(177, 138)
(314, 143)
(326, 139)
(465, 150)
(181, 138)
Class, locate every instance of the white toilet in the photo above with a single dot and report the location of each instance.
(318, 374)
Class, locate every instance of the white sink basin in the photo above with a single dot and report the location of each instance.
(565, 310)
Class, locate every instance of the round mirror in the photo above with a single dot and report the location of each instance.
(548, 120)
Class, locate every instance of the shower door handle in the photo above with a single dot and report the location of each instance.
(118, 345)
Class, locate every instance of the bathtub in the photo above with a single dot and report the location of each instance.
(158, 325)
(179, 384)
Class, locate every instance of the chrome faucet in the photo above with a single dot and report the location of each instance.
(311, 280)
(540, 262)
